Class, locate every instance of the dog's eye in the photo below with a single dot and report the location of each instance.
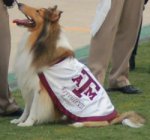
(37, 11)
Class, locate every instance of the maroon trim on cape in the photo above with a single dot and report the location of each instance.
(66, 112)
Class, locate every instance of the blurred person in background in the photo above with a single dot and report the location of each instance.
(114, 33)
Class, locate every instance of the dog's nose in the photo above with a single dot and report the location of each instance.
(20, 5)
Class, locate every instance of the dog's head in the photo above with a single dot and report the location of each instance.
(37, 17)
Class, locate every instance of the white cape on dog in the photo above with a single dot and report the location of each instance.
(76, 92)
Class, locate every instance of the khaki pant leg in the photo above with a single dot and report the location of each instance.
(102, 43)
(124, 42)
(7, 104)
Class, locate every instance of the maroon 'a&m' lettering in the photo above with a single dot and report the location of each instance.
(86, 88)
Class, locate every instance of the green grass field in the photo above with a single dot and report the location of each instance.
(139, 103)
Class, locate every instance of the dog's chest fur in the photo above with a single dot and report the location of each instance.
(26, 75)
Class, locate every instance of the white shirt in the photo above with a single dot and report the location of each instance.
(76, 92)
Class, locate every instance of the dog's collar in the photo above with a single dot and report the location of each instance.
(62, 59)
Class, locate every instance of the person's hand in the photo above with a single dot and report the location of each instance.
(145, 1)
(8, 3)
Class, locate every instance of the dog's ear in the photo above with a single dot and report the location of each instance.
(54, 8)
(54, 14)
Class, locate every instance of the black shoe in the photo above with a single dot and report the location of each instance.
(17, 113)
(126, 89)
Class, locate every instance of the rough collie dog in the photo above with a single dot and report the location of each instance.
(53, 83)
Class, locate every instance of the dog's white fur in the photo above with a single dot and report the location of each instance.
(38, 108)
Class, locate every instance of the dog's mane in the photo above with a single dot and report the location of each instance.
(44, 49)
(45, 45)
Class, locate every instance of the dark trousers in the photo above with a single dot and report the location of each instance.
(134, 52)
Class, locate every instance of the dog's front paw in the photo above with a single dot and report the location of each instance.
(26, 123)
(15, 121)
